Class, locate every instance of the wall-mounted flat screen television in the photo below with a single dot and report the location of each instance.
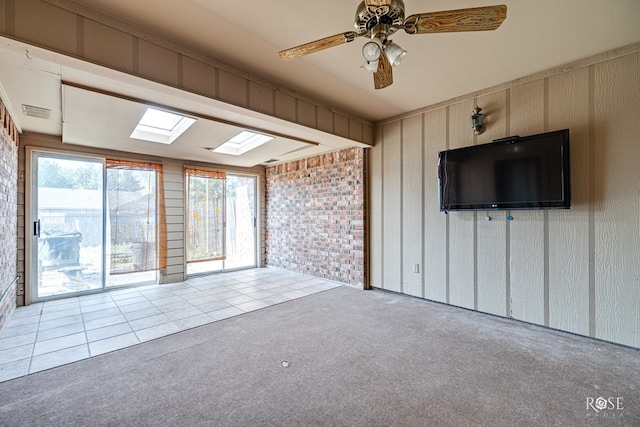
(530, 172)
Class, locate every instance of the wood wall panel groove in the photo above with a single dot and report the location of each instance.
(375, 215)
(617, 204)
(46, 25)
(491, 235)
(392, 207)
(569, 229)
(101, 45)
(412, 194)
(150, 56)
(435, 222)
(527, 228)
(306, 114)
(461, 224)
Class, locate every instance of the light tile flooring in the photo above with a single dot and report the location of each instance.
(44, 335)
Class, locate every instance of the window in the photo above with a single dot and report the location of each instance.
(242, 142)
(161, 126)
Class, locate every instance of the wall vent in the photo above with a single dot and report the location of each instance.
(270, 160)
(38, 112)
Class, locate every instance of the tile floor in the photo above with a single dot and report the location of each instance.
(44, 335)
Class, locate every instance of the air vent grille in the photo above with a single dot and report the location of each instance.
(38, 112)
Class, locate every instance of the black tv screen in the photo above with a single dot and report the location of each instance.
(529, 172)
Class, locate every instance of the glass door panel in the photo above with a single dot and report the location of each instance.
(68, 228)
(132, 233)
(241, 221)
(239, 225)
(204, 220)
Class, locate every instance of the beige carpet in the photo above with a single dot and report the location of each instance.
(343, 357)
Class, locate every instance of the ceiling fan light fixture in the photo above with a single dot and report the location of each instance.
(372, 50)
(395, 54)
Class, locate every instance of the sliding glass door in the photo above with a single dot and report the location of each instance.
(96, 223)
(68, 229)
(220, 221)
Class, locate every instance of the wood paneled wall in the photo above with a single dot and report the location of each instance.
(71, 29)
(576, 270)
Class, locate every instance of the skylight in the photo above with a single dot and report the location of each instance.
(242, 142)
(161, 126)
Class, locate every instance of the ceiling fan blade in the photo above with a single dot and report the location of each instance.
(450, 21)
(317, 45)
(383, 76)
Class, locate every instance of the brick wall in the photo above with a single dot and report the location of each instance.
(8, 214)
(315, 216)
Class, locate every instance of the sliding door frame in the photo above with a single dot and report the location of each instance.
(257, 222)
(30, 259)
(30, 217)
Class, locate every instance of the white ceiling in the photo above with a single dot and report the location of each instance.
(248, 34)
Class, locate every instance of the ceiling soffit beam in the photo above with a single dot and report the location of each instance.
(189, 113)
(161, 40)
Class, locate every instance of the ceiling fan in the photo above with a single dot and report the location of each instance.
(379, 19)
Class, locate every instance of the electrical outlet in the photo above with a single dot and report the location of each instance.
(416, 268)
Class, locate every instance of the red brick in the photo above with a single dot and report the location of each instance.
(313, 207)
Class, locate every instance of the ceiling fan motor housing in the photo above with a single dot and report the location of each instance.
(390, 15)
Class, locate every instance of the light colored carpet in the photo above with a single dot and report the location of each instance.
(352, 358)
